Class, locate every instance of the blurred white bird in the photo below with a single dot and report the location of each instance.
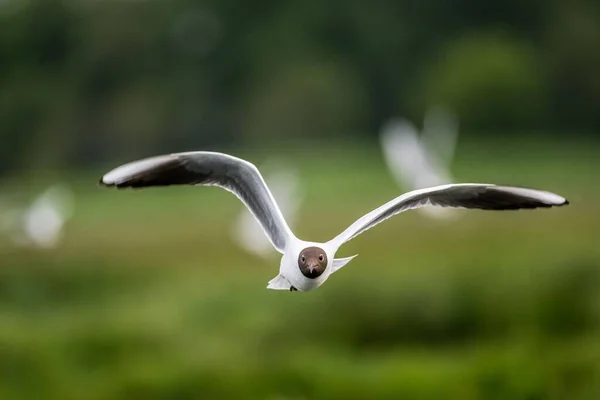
(284, 182)
(419, 161)
(41, 224)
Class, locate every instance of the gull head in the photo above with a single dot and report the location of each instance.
(312, 262)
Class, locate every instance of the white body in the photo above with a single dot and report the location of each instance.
(289, 273)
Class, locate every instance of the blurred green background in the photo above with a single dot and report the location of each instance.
(148, 297)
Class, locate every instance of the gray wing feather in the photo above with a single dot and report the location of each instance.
(464, 195)
(208, 169)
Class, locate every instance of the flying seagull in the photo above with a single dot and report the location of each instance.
(307, 265)
(418, 161)
(41, 223)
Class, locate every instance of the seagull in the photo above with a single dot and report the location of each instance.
(418, 161)
(306, 265)
(440, 134)
(285, 187)
(41, 223)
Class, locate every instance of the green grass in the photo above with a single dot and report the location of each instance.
(148, 297)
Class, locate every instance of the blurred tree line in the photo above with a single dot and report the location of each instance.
(84, 81)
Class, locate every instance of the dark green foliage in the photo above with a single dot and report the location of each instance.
(98, 80)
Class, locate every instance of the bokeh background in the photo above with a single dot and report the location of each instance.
(147, 295)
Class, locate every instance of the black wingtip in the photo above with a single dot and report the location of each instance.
(566, 203)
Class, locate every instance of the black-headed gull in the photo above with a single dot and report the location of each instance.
(307, 265)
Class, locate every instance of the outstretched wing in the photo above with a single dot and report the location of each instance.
(208, 169)
(284, 186)
(462, 195)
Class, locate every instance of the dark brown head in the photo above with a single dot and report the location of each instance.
(312, 262)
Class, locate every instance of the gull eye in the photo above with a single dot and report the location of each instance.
(321, 258)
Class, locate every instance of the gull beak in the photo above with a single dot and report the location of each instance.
(313, 269)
